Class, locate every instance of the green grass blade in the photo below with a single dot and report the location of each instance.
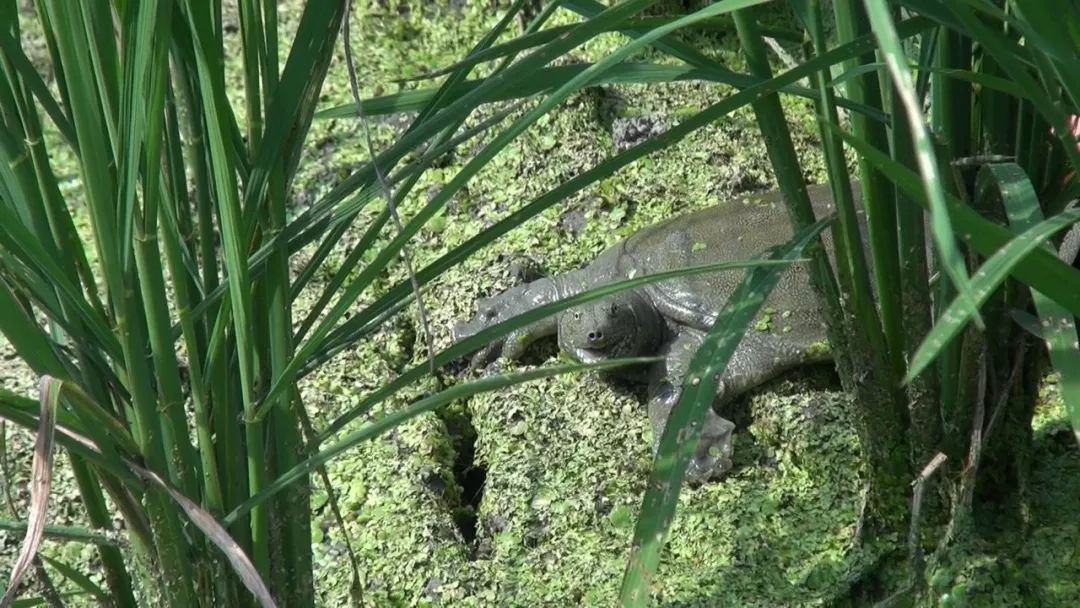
(403, 181)
(94, 132)
(144, 106)
(344, 334)
(510, 78)
(868, 348)
(1058, 44)
(680, 438)
(290, 113)
(233, 241)
(1007, 54)
(427, 404)
(14, 54)
(482, 158)
(878, 200)
(485, 336)
(20, 242)
(67, 533)
(1058, 325)
(547, 79)
(23, 412)
(107, 431)
(714, 69)
(82, 581)
(409, 174)
(941, 226)
(27, 338)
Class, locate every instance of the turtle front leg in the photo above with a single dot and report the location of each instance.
(759, 358)
(499, 308)
(713, 456)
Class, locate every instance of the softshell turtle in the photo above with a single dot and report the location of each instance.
(670, 318)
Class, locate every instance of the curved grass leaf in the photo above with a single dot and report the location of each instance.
(1007, 53)
(217, 534)
(313, 219)
(26, 337)
(67, 533)
(543, 80)
(547, 79)
(1045, 28)
(514, 76)
(104, 428)
(680, 438)
(427, 404)
(18, 241)
(534, 62)
(71, 436)
(987, 81)
(526, 42)
(715, 70)
(869, 345)
(30, 602)
(40, 488)
(289, 115)
(1040, 269)
(992, 273)
(411, 173)
(1058, 325)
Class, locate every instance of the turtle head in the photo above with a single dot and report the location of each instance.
(623, 325)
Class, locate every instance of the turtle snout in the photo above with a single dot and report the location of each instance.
(595, 338)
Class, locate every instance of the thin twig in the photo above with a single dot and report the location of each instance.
(916, 561)
(1014, 375)
(979, 433)
(312, 446)
(354, 86)
(860, 523)
(975, 445)
(782, 53)
(915, 554)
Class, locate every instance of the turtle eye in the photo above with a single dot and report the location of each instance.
(577, 315)
(614, 308)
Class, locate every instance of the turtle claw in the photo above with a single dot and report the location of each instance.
(713, 458)
(480, 359)
(701, 471)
